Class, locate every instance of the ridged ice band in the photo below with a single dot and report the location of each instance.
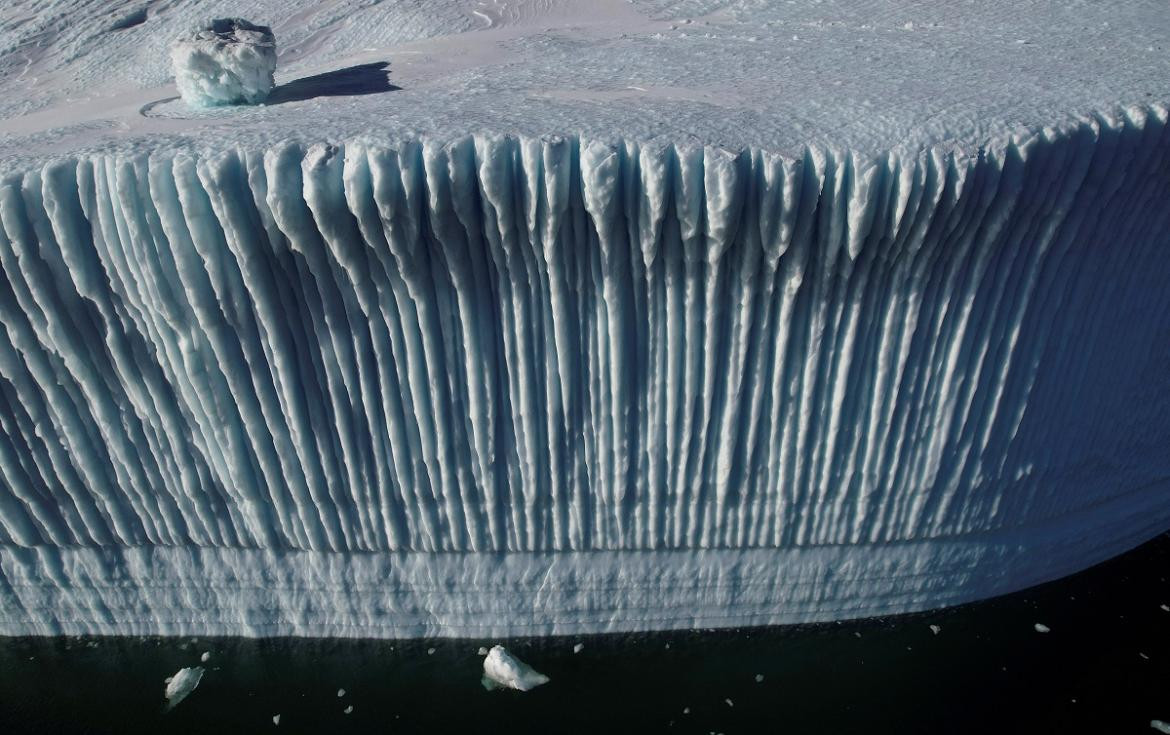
(549, 385)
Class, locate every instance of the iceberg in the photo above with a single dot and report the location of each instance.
(514, 353)
(502, 669)
(181, 684)
(228, 61)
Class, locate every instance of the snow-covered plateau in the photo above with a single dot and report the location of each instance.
(509, 318)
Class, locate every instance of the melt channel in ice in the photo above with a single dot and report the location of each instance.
(503, 385)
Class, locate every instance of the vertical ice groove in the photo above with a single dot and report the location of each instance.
(502, 345)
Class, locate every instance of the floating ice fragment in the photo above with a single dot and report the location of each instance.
(276, 720)
(348, 709)
(501, 669)
(1042, 628)
(225, 62)
(341, 692)
(482, 651)
(729, 703)
(181, 684)
(1166, 608)
(205, 657)
(935, 629)
(578, 648)
(430, 652)
(1160, 726)
(759, 678)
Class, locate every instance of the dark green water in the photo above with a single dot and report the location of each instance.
(1103, 668)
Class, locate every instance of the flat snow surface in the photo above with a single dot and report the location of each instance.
(779, 75)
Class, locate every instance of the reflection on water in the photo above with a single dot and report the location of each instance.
(1103, 665)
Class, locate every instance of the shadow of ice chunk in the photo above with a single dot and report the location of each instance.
(352, 81)
(502, 669)
(182, 684)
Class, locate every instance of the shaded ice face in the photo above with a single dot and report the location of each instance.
(228, 61)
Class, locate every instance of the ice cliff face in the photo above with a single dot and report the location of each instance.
(507, 384)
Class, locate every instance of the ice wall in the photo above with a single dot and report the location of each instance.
(501, 385)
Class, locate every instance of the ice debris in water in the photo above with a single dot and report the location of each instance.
(206, 655)
(578, 648)
(482, 651)
(341, 692)
(502, 669)
(1160, 726)
(228, 61)
(276, 720)
(1042, 628)
(759, 678)
(181, 684)
(348, 709)
(935, 629)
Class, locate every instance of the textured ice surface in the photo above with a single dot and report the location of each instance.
(502, 669)
(584, 328)
(181, 684)
(226, 62)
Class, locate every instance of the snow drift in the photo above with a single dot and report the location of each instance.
(502, 385)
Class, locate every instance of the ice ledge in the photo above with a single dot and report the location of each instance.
(252, 592)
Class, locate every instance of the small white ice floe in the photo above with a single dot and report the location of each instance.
(205, 657)
(729, 703)
(1165, 608)
(348, 709)
(341, 692)
(759, 678)
(578, 648)
(482, 651)
(430, 652)
(1160, 726)
(935, 629)
(276, 720)
(181, 684)
(1042, 628)
(502, 669)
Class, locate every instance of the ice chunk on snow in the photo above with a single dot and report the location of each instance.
(1042, 628)
(502, 669)
(181, 684)
(226, 62)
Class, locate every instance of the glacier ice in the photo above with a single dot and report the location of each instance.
(502, 669)
(502, 385)
(228, 61)
(181, 684)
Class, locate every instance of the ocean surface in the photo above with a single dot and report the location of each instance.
(1103, 666)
